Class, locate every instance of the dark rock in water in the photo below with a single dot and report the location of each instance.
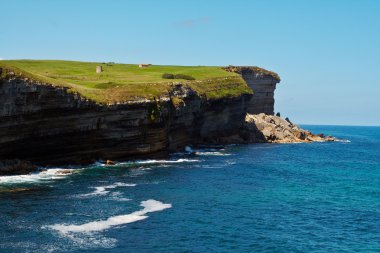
(109, 162)
(64, 172)
(16, 167)
(12, 190)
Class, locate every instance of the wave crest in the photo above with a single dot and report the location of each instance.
(149, 205)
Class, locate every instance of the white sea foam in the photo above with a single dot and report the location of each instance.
(117, 196)
(100, 164)
(122, 199)
(150, 206)
(181, 160)
(212, 153)
(342, 140)
(37, 177)
(102, 190)
(96, 226)
(99, 190)
(119, 184)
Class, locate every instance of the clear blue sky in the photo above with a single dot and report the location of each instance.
(326, 52)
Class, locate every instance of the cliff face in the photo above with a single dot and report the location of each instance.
(263, 87)
(263, 83)
(49, 125)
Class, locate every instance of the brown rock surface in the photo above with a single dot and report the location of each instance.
(270, 128)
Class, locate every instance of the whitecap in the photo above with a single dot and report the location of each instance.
(100, 164)
(37, 177)
(150, 206)
(96, 226)
(212, 153)
(117, 196)
(181, 160)
(99, 190)
(102, 190)
(122, 199)
(119, 184)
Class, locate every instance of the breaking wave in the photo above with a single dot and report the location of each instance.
(212, 153)
(38, 177)
(181, 160)
(149, 206)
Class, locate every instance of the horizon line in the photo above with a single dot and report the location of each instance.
(309, 124)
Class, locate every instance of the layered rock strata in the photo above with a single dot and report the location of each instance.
(49, 125)
(263, 83)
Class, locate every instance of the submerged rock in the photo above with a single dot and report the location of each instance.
(64, 172)
(16, 190)
(270, 128)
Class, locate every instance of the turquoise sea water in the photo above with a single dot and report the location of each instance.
(320, 197)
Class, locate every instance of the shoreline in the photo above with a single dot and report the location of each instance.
(255, 131)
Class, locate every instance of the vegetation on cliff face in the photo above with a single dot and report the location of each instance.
(119, 83)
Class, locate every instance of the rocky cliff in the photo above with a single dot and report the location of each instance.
(51, 125)
(263, 83)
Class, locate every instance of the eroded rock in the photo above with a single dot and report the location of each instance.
(270, 128)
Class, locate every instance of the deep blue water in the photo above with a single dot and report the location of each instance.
(320, 197)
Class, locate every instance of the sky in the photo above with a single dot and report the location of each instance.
(327, 53)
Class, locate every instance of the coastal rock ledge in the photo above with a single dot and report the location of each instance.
(269, 128)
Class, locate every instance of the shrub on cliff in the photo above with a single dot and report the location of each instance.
(168, 76)
(177, 76)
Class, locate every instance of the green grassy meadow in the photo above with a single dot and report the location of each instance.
(123, 82)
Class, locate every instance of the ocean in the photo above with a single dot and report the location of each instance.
(304, 197)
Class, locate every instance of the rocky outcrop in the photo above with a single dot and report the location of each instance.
(51, 125)
(269, 128)
(263, 83)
